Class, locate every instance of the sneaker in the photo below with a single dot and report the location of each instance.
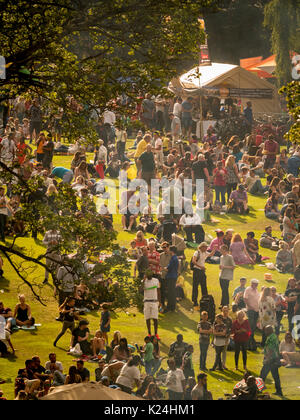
(157, 337)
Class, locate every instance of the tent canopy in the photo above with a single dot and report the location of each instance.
(226, 76)
(91, 391)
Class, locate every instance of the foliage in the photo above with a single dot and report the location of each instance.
(283, 19)
(237, 31)
(292, 93)
(231, 126)
(94, 50)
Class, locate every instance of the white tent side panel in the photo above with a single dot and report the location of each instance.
(227, 76)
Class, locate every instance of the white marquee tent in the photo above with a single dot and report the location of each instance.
(225, 77)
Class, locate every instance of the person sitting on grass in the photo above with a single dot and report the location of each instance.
(239, 201)
(22, 313)
(98, 345)
(80, 335)
(284, 258)
(73, 376)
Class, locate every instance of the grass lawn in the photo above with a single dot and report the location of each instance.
(131, 324)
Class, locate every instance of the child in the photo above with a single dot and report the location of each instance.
(105, 322)
(227, 266)
(219, 342)
(134, 252)
(205, 329)
(187, 363)
(98, 345)
(148, 350)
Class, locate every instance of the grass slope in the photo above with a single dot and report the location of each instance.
(131, 324)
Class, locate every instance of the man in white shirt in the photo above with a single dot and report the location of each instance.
(191, 224)
(102, 153)
(158, 146)
(251, 298)
(151, 301)
(199, 275)
(175, 128)
(175, 382)
(55, 368)
(177, 110)
(109, 117)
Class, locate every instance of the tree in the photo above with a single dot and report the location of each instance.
(236, 31)
(292, 93)
(93, 50)
(283, 18)
(84, 234)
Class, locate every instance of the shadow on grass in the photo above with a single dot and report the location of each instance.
(4, 284)
(177, 322)
(227, 375)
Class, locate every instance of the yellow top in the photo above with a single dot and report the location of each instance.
(141, 148)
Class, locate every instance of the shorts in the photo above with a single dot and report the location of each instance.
(187, 122)
(151, 310)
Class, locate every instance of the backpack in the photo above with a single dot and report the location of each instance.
(207, 304)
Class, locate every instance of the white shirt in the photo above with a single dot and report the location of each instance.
(177, 110)
(128, 376)
(174, 380)
(201, 258)
(109, 117)
(151, 288)
(58, 364)
(190, 220)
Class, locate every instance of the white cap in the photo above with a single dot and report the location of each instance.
(255, 281)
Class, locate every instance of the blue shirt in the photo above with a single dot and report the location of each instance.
(248, 114)
(294, 165)
(173, 268)
(60, 172)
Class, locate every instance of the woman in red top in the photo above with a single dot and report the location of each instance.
(241, 333)
(220, 179)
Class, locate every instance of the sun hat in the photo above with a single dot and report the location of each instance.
(254, 281)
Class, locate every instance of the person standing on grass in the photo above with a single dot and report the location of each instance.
(205, 330)
(68, 316)
(4, 209)
(241, 331)
(171, 279)
(251, 298)
(151, 301)
(199, 276)
(271, 361)
(219, 331)
(227, 266)
(148, 350)
(228, 322)
(105, 321)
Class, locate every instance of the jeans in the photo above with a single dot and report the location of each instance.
(230, 188)
(66, 326)
(171, 293)
(221, 191)
(203, 354)
(149, 366)
(225, 292)
(218, 360)
(253, 318)
(199, 278)
(238, 348)
(197, 230)
(156, 366)
(258, 188)
(59, 378)
(272, 215)
(273, 368)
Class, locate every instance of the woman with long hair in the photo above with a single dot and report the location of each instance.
(239, 251)
(241, 331)
(233, 175)
(73, 377)
(122, 352)
(267, 312)
(271, 208)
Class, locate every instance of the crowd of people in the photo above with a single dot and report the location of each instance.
(169, 150)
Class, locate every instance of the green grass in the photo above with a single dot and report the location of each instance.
(132, 324)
